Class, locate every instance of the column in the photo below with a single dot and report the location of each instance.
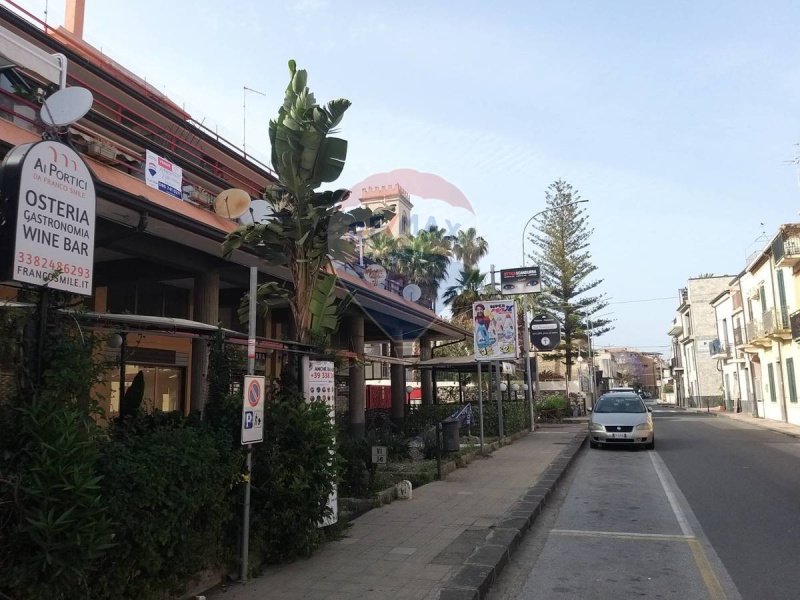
(426, 375)
(398, 376)
(357, 384)
(205, 310)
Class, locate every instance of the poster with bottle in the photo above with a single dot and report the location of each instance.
(321, 387)
(495, 330)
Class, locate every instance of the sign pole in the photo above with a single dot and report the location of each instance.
(526, 348)
(499, 367)
(480, 402)
(251, 367)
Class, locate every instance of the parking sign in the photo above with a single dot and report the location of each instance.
(253, 410)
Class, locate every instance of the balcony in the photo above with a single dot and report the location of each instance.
(776, 323)
(794, 324)
(718, 350)
(786, 247)
(676, 328)
(757, 335)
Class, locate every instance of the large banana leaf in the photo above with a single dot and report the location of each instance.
(326, 310)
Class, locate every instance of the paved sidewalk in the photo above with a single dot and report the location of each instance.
(414, 549)
(780, 426)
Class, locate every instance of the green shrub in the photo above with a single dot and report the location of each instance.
(293, 474)
(55, 525)
(169, 486)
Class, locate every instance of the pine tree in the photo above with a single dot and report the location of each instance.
(561, 239)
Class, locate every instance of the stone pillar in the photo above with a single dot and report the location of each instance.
(398, 375)
(426, 375)
(357, 384)
(205, 310)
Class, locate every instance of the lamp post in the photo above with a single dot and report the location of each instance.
(409, 389)
(541, 212)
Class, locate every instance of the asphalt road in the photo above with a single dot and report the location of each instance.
(712, 513)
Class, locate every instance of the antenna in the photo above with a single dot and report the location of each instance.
(66, 106)
(246, 89)
(232, 203)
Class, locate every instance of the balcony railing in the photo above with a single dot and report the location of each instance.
(738, 339)
(776, 321)
(756, 330)
(718, 349)
(794, 324)
(786, 249)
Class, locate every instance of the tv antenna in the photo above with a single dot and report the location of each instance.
(246, 89)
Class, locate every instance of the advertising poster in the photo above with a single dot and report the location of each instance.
(54, 207)
(524, 280)
(321, 387)
(161, 174)
(495, 330)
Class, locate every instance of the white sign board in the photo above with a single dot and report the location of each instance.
(253, 410)
(495, 330)
(320, 387)
(379, 455)
(54, 238)
(163, 175)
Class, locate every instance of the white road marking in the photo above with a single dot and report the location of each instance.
(673, 502)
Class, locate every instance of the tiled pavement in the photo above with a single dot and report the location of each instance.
(453, 535)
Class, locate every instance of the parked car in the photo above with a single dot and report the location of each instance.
(621, 418)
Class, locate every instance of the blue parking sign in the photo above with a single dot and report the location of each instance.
(248, 419)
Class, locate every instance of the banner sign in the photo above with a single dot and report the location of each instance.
(320, 387)
(163, 175)
(524, 280)
(50, 208)
(495, 330)
(253, 410)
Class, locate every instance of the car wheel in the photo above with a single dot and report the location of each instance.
(651, 445)
(593, 444)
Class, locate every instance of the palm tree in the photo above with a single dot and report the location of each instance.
(469, 247)
(423, 259)
(461, 296)
(382, 248)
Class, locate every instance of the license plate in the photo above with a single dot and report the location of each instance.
(619, 435)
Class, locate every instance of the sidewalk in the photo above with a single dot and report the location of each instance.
(780, 426)
(449, 541)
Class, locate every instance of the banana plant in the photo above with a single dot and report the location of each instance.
(307, 227)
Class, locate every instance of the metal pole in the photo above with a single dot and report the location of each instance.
(251, 367)
(591, 366)
(499, 392)
(122, 367)
(480, 402)
(526, 348)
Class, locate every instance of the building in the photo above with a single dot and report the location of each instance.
(692, 331)
(159, 279)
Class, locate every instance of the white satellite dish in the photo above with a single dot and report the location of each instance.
(259, 212)
(232, 203)
(412, 292)
(66, 106)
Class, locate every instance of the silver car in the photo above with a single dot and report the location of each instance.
(621, 418)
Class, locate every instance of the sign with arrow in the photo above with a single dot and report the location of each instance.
(545, 332)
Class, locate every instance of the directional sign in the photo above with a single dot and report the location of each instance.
(253, 410)
(545, 332)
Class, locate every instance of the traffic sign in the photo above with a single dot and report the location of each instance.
(545, 332)
(253, 410)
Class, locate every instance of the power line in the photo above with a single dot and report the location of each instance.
(644, 300)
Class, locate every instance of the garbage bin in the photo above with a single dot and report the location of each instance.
(450, 441)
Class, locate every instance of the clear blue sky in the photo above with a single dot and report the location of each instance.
(675, 119)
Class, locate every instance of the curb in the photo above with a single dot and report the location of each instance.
(760, 422)
(490, 557)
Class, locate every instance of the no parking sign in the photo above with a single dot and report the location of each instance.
(253, 410)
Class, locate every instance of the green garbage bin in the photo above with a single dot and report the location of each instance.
(450, 441)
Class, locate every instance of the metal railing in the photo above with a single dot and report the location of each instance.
(717, 348)
(776, 319)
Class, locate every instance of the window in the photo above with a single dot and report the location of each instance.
(148, 298)
(163, 387)
(790, 377)
(771, 371)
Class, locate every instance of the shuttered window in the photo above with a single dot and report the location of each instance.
(790, 377)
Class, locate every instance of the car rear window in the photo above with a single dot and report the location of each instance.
(620, 404)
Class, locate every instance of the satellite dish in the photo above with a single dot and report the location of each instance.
(232, 203)
(412, 292)
(258, 213)
(375, 274)
(66, 106)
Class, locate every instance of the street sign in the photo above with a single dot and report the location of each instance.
(253, 410)
(379, 455)
(545, 332)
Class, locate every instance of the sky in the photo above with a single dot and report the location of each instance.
(678, 121)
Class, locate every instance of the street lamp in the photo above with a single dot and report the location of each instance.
(541, 212)
(409, 389)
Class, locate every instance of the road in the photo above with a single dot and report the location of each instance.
(711, 513)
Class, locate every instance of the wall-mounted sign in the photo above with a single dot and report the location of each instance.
(375, 274)
(163, 175)
(495, 330)
(253, 409)
(525, 280)
(49, 206)
(545, 332)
